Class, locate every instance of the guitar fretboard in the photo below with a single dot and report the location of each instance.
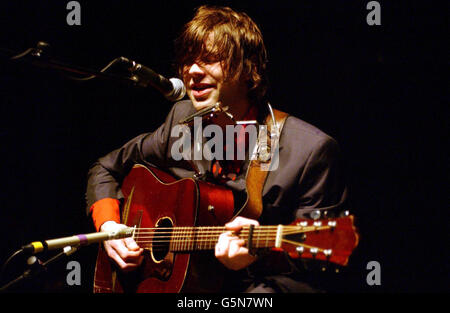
(187, 239)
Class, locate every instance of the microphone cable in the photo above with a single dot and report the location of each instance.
(2, 272)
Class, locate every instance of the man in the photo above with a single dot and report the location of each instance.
(222, 59)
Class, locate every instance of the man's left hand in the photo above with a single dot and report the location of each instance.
(230, 249)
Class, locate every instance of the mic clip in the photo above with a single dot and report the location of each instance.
(207, 114)
(134, 67)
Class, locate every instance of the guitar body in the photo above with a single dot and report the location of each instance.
(156, 200)
(172, 219)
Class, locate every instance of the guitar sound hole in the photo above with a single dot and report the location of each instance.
(161, 239)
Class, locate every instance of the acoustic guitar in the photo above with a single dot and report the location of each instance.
(178, 223)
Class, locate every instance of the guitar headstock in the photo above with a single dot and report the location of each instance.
(330, 239)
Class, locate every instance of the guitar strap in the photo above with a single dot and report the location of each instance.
(256, 174)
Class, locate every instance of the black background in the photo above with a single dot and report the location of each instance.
(379, 90)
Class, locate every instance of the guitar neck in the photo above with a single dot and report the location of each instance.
(205, 238)
(190, 239)
(328, 239)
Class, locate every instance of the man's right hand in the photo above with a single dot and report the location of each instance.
(125, 252)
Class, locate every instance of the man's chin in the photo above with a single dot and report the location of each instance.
(198, 105)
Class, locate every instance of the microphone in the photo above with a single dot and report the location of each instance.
(77, 240)
(173, 89)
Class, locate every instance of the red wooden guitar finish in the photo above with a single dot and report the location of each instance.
(174, 218)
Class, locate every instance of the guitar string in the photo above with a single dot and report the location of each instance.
(186, 245)
(206, 243)
(201, 232)
(209, 241)
(204, 232)
(208, 247)
(179, 229)
(204, 236)
(223, 227)
(194, 243)
(193, 239)
(185, 237)
(196, 240)
(180, 235)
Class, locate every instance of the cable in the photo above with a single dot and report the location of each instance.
(8, 261)
(116, 60)
(21, 55)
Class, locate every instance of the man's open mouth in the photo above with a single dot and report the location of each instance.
(201, 90)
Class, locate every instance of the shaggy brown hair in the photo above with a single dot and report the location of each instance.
(238, 44)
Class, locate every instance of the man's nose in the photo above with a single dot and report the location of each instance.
(196, 70)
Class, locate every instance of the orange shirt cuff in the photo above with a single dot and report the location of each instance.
(104, 210)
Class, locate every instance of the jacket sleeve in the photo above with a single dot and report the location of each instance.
(322, 185)
(107, 173)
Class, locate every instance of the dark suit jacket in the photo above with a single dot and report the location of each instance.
(309, 176)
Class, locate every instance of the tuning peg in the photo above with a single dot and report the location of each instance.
(303, 224)
(317, 223)
(315, 215)
(332, 225)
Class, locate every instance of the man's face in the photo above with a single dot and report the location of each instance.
(206, 85)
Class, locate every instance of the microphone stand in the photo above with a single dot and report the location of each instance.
(39, 56)
(36, 267)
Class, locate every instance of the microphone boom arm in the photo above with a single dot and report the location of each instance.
(173, 89)
(40, 58)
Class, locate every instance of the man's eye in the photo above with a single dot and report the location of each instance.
(212, 59)
(209, 60)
